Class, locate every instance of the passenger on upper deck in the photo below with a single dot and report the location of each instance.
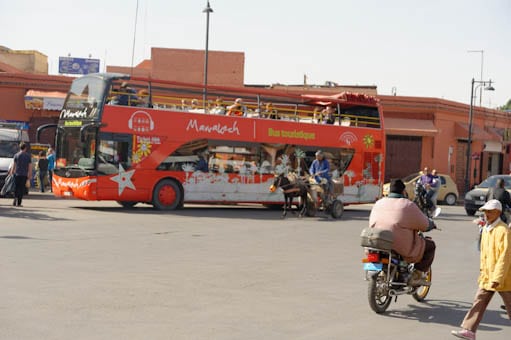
(270, 112)
(143, 98)
(195, 108)
(195, 104)
(328, 115)
(237, 109)
(127, 95)
(184, 105)
(219, 108)
(317, 115)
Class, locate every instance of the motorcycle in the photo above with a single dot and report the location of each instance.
(423, 203)
(387, 273)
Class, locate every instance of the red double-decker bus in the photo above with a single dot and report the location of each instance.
(161, 143)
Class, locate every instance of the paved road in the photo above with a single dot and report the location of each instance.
(90, 270)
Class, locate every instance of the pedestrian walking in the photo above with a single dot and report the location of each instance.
(495, 269)
(22, 170)
(42, 169)
(51, 166)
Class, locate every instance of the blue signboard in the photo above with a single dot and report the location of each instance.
(70, 65)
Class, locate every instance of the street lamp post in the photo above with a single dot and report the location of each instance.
(488, 87)
(206, 10)
(482, 63)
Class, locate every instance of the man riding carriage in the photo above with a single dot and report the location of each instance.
(315, 191)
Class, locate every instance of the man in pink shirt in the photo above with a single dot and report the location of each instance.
(401, 216)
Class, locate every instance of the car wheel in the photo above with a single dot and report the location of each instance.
(450, 199)
(470, 212)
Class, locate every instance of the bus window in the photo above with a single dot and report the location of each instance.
(186, 157)
(114, 149)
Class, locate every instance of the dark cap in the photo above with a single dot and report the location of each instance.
(397, 186)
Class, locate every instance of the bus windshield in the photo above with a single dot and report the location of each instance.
(77, 148)
(84, 99)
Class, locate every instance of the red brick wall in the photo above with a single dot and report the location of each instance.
(12, 104)
(135, 72)
(224, 68)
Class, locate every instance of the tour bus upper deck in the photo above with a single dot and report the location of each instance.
(90, 93)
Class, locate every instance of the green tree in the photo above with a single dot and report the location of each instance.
(507, 106)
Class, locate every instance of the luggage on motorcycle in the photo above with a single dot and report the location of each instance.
(376, 238)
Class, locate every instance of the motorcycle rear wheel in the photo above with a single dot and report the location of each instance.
(421, 292)
(378, 293)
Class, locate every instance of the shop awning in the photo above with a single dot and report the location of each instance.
(498, 133)
(44, 100)
(478, 133)
(492, 146)
(409, 127)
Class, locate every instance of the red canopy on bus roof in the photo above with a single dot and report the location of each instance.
(343, 97)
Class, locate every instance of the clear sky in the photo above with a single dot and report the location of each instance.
(418, 48)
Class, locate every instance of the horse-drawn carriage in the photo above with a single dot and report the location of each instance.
(312, 196)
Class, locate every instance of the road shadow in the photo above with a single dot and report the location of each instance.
(27, 213)
(451, 313)
(253, 212)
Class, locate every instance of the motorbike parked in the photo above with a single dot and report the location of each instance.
(387, 273)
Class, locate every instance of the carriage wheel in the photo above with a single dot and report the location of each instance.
(167, 195)
(337, 209)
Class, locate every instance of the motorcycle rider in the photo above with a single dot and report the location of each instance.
(500, 193)
(431, 184)
(401, 216)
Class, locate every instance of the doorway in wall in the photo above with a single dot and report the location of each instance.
(403, 156)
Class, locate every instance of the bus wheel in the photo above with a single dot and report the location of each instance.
(167, 195)
(126, 204)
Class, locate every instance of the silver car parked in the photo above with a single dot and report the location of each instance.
(475, 198)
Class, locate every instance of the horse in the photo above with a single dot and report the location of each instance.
(292, 187)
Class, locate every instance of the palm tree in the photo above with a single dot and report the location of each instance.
(188, 168)
(379, 159)
(300, 154)
(350, 174)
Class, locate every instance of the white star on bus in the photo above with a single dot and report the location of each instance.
(124, 179)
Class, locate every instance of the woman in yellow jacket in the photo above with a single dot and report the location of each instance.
(495, 269)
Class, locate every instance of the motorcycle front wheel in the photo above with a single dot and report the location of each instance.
(378, 293)
(421, 292)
